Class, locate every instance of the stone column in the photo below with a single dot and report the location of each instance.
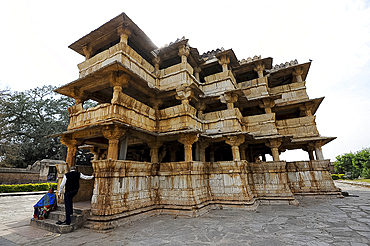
(184, 51)
(79, 95)
(224, 61)
(235, 141)
(202, 150)
(260, 67)
(274, 144)
(298, 72)
(173, 152)
(229, 99)
(187, 140)
(95, 152)
(184, 94)
(156, 103)
(306, 109)
(267, 104)
(118, 83)
(318, 151)
(310, 148)
(196, 73)
(72, 145)
(154, 146)
(113, 133)
(124, 33)
(200, 107)
(88, 51)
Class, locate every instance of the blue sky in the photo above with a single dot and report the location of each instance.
(334, 34)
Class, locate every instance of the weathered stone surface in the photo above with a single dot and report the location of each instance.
(179, 133)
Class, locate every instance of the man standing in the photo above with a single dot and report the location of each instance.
(71, 181)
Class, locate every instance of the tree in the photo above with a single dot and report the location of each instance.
(25, 119)
(362, 162)
(357, 163)
(343, 164)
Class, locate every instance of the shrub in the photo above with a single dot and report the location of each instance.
(27, 187)
(334, 176)
(341, 176)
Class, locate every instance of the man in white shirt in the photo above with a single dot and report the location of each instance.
(71, 181)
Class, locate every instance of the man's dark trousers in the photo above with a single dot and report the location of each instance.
(68, 196)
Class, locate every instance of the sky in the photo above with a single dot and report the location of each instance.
(335, 35)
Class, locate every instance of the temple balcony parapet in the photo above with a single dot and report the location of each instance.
(218, 83)
(172, 77)
(179, 117)
(124, 54)
(255, 89)
(263, 124)
(144, 119)
(298, 127)
(290, 93)
(223, 121)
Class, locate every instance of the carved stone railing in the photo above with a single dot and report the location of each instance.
(218, 83)
(137, 117)
(255, 89)
(175, 76)
(259, 125)
(224, 121)
(123, 53)
(298, 127)
(290, 93)
(179, 117)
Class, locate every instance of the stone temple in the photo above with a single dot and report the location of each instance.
(177, 132)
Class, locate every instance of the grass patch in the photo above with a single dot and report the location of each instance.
(361, 180)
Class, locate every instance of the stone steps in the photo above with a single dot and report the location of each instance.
(78, 219)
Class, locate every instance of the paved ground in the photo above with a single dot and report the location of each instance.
(316, 221)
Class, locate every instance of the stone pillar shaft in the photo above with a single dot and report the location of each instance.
(187, 140)
(235, 142)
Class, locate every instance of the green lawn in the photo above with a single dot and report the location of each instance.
(361, 180)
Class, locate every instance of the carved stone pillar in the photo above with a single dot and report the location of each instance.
(184, 51)
(306, 109)
(79, 95)
(224, 61)
(234, 142)
(196, 73)
(187, 140)
(113, 133)
(184, 94)
(157, 62)
(298, 72)
(242, 149)
(202, 150)
(156, 103)
(200, 107)
(318, 151)
(260, 67)
(229, 99)
(124, 33)
(88, 51)
(173, 152)
(154, 146)
(274, 144)
(72, 145)
(118, 83)
(267, 104)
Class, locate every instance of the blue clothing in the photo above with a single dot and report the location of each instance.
(47, 199)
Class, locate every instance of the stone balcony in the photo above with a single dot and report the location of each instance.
(124, 54)
(172, 77)
(143, 119)
(298, 127)
(224, 121)
(293, 92)
(261, 125)
(255, 89)
(218, 83)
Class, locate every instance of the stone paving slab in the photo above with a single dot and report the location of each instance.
(316, 221)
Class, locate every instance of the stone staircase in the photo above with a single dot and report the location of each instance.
(81, 212)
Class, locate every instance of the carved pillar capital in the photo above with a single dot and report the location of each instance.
(259, 68)
(298, 72)
(306, 109)
(235, 142)
(200, 107)
(72, 145)
(187, 140)
(224, 61)
(113, 133)
(124, 32)
(229, 99)
(267, 104)
(197, 70)
(274, 145)
(154, 146)
(184, 51)
(79, 95)
(184, 94)
(88, 51)
(155, 102)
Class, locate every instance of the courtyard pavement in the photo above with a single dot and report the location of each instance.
(316, 221)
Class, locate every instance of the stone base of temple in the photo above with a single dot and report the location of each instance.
(126, 190)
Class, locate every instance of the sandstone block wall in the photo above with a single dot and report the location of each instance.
(18, 176)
